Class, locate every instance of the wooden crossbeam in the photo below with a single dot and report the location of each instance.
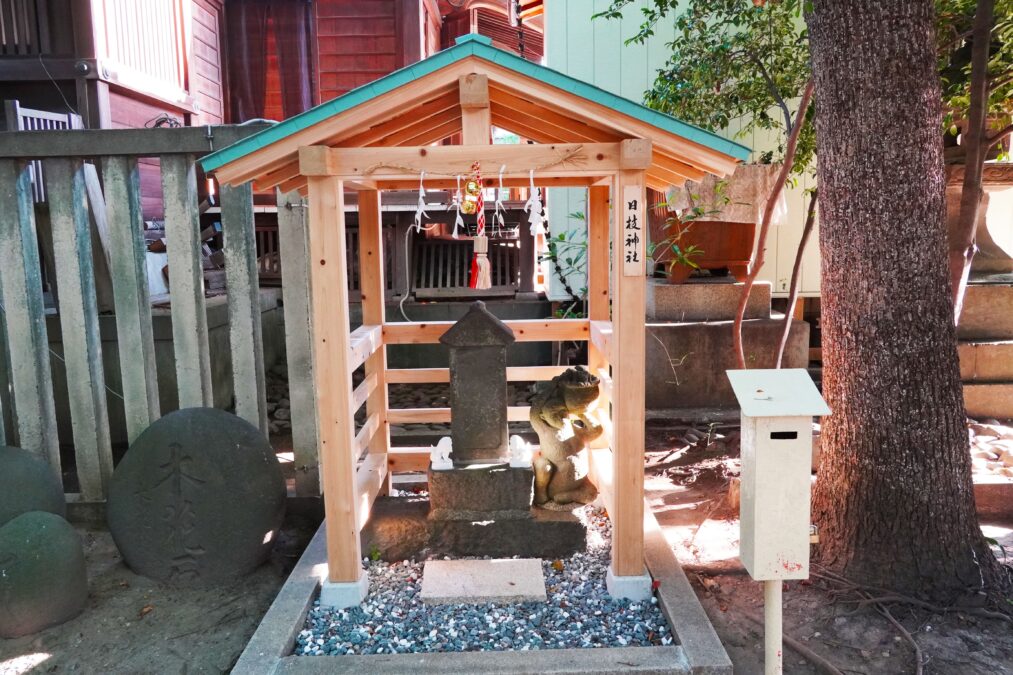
(370, 477)
(563, 159)
(408, 459)
(515, 413)
(362, 342)
(437, 183)
(525, 330)
(363, 391)
(365, 435)
(601, 338)
(430, 375)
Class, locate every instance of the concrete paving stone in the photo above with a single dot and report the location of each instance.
(447, 582)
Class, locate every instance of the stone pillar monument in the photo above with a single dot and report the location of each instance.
(478, 387)
(483, 506)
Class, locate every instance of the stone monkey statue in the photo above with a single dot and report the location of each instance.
(560, 417)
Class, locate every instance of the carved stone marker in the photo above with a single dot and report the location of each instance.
(43, 580)
(197, 499)
(28, 483)
(478, 386)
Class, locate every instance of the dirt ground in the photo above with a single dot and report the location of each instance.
(689, 472)
(133, 625)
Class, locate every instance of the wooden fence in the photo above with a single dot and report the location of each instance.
(83, 215)
(92, 234)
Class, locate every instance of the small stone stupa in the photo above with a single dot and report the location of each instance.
(483, 505)
(478, 386)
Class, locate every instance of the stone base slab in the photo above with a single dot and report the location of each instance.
(636, 588)
(547, 534)
(481, 492)
(341, 594)
(451, 582)
(686, 362)
(399, 528)
(705, 300)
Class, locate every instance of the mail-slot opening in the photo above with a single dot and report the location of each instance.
(783, 435)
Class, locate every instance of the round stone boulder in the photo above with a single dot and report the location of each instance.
(197, 500)
(43, 581)
(27, 483)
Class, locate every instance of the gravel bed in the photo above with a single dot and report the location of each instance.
(578, 613)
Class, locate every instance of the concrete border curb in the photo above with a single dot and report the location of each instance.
(699, 651)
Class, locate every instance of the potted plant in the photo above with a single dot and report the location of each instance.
(675, 252)
(692, 242)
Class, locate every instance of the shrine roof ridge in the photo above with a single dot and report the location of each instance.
(481, 47)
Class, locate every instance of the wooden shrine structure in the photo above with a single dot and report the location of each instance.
(382, 137)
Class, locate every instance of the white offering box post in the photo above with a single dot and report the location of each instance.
(777, 412)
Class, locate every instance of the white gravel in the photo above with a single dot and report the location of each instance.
(578, 613)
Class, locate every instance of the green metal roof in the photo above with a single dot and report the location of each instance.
(480, 46)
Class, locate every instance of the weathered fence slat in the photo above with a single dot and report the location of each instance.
(130, 291)
(5, 377)
(293, 241)
(25, 316)
(97, 209)
(245, 338)
(82, 346)
(186, 281)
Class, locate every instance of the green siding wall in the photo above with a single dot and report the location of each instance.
(594, 51)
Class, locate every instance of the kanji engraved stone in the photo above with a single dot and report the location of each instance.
(197, 499)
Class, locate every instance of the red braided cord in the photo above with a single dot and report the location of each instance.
(481, 199)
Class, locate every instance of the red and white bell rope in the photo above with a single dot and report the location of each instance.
(481, 269)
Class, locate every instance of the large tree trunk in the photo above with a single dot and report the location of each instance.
(893, 498)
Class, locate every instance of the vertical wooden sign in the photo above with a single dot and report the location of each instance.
(634, 231)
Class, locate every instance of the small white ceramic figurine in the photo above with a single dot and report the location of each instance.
(440, 455)
(520, 453)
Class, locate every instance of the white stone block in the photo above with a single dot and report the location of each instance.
(475, 581)
(636, 588)
(342, 594)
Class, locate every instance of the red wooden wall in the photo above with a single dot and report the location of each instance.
(357, 42)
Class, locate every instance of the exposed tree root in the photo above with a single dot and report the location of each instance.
(801, 649)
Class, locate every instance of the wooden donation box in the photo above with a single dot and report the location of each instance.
(778, 407)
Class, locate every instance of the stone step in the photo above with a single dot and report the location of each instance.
(990, 361)
(988, 312)
(992, 399)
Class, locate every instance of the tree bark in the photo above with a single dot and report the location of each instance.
(893, 499)
(976, 145)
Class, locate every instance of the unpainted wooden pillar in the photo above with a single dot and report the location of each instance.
(333, 376)
(598, 281)
(476, 128)
(628, 373)
(372, 288)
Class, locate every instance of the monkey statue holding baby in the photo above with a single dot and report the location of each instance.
(561, 416)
